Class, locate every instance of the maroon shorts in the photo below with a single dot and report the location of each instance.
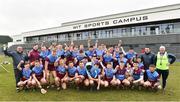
(51, 67)
(43, 63)
(39, 77)
(153, 82)
(70, 76)
(108, 79)
(23, 79)
(59, 75)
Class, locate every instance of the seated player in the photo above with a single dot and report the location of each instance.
(61, 73)
(109, 77)
(38, 75)
(121, 75)
(26, 75)
(153, 78)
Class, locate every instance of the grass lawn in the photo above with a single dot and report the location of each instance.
(8, 92)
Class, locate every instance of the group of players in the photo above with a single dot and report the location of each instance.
(97, 66)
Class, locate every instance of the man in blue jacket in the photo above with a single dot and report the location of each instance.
(17, 56)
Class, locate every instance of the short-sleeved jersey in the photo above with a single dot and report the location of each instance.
(95, 72)
(120, 74)
(72, 71)
(109, 73)
(152, 76)
(61, 69)
(81, 71)
(37, 70)
(26, 73)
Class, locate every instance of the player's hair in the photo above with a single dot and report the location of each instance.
(70, 62)
(80, 61)
(26, 62)
(109, 63)
(152, 65)
(36, 61)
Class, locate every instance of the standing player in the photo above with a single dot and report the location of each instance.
(49, 65)
(43, 54)
(34, 55)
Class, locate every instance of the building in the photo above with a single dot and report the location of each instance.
(148, 27)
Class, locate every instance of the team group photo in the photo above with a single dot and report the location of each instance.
(130, 55)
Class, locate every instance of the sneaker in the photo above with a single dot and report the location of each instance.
(52, 86)
(17, 89)
(58, 88)
(159, 87)
(48, 87)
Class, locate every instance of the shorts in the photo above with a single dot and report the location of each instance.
(59, 75)
(39, 77)
(23, 79)
(51, 67)
(108, 79)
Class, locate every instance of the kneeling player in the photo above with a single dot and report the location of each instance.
(121, 75)
(39, 76)
(71, 72)
(26, 75)
(61, 75)
(109, 77)
(137, 75)
(95, 76)
(153, 78)
(81, 75)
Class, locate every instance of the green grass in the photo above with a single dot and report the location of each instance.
(8, 93)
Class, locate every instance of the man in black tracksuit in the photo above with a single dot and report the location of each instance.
(147, 59)
(17, 56)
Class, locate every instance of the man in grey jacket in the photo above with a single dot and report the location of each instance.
(17, 56)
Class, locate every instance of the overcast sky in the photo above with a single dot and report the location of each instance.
(17, 16)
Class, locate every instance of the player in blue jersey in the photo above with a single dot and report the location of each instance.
(121, 75)
(26, 80)
(108, 57)
(38, 75)
(60, 50)
(61, 74)
(71, 72)
(108, 75)
(153, 78)
(81, 75)
(95, 75)
(137, 76)
(43, 54)
(49, 65)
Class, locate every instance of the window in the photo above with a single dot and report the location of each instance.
(133, 31)
(124, 32)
